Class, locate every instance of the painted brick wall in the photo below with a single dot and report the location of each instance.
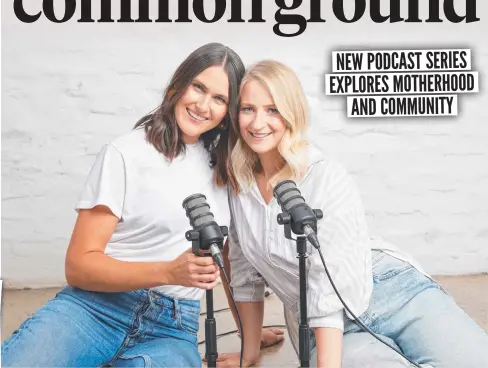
(69, 88)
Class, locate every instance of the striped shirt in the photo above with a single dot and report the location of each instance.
(259, 250)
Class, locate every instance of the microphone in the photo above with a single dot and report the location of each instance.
(296, 213)
(206, 234)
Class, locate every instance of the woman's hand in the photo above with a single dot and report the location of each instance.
(89, 268)
(193, 271)
(271, 336)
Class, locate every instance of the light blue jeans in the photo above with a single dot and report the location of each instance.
(88, 329)
(414, 314)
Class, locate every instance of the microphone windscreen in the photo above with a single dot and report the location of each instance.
(287, 195)
(197, 210)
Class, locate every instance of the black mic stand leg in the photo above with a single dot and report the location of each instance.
(210, 332)
(211, 354)
(304, 331)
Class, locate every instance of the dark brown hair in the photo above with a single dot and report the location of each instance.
(160, 125)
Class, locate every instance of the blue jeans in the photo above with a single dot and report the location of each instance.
(89, 329)
(412, 313)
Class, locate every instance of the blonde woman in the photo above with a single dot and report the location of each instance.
(385, 287)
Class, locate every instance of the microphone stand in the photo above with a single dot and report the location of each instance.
(211, 353)
(301, 242)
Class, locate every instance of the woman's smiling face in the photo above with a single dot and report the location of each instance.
(260, 123)
(204, 103)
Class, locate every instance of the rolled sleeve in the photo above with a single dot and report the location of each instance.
(344, 240)
(333, 320)
(249, 292)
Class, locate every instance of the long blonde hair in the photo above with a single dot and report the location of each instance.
(289, 98)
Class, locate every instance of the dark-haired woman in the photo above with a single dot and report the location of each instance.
(133, 294)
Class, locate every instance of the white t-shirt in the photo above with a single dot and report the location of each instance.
(146, 191)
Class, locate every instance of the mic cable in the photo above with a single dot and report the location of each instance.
(303, 220)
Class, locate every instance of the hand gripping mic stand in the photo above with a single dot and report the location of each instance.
(203, 239)
(303, 215)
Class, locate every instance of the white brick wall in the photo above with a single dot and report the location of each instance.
(69, 88)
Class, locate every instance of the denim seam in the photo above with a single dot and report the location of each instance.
(128, 335)
(392, 273)
(147, 359)
(439, 286)
(177, 314)
(16, 333)
(366, 318)
(180, 323)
